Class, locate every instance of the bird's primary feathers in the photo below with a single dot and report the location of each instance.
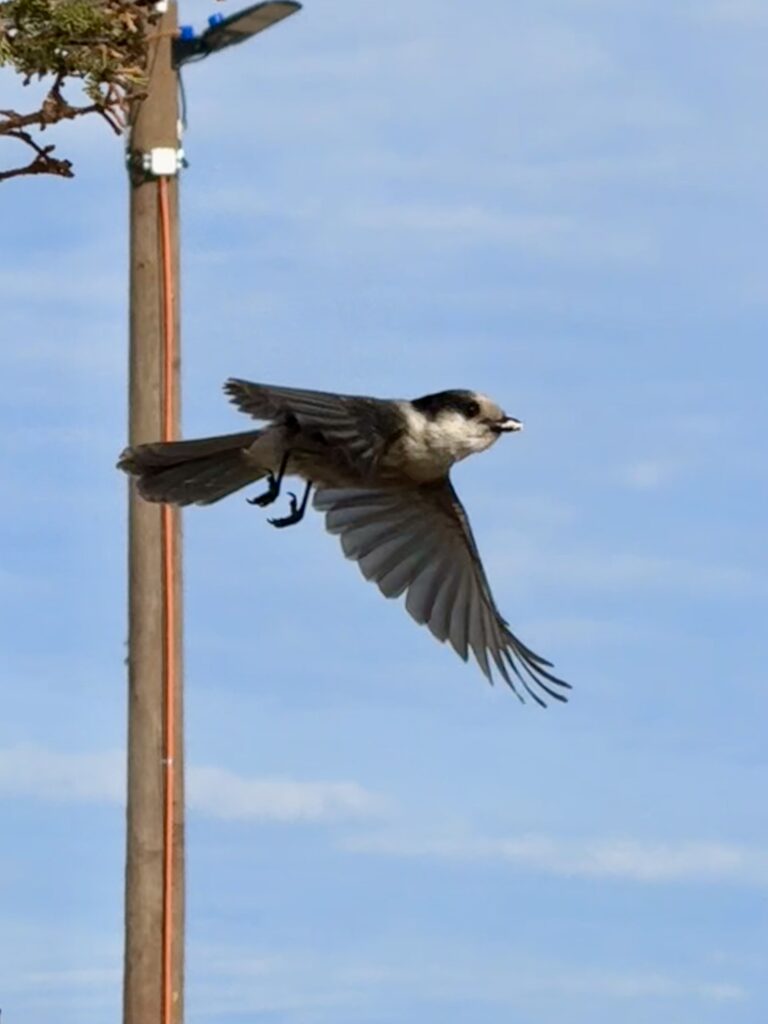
(380, 469)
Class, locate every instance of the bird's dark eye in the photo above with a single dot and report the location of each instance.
(472, 409)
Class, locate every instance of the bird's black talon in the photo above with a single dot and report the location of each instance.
(288, 520)
(271, 493)
(297, 510)
(274, 483)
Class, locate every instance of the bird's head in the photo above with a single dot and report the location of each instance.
(466, 421)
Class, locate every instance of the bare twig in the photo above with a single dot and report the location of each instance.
(42, 162)
(103, 43)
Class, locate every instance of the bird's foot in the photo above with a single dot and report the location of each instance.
(270, 495)
(295, 515)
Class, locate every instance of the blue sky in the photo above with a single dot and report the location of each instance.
(561, 203)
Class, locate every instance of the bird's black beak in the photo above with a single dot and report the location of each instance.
(508, 425)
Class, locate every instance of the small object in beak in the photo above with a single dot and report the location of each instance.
(509, 424)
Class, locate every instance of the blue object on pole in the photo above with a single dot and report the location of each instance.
(186, 32)
(226, 31)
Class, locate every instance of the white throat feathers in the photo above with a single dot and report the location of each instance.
(430, 446)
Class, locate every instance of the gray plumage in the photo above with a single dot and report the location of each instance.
(380, 469)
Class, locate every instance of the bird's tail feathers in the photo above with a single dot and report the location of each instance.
(198, 471)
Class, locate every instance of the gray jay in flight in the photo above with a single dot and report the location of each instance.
(380, 469)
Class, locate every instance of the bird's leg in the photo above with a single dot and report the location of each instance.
(274, 483)
(297, 511)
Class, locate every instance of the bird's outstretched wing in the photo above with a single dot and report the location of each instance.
(419, 542)
(357, 427)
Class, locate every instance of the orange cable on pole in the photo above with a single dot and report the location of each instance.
(169, 603)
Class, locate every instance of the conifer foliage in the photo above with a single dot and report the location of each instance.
(94, 50)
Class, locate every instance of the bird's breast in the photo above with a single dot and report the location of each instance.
(427, 449)
(418, 457)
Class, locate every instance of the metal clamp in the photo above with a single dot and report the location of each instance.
(160, 162)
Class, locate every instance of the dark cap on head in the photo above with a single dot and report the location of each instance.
(461, 401)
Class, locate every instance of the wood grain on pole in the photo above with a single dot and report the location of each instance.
(154, 123)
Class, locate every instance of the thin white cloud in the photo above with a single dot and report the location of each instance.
(737, 12)
(98, 283)
(290, 980)
(642, 985)
(222, 794)
(553, 235)
(460, 219)
(231, 977)
(27, 771)
(417, 46)
(621, 859)
(582, 631)
(81, 977)
(600, 570)
(647, 474)
(35, 772)
(47, 964)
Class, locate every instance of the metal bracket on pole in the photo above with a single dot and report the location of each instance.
(162, 162)
(159, 162)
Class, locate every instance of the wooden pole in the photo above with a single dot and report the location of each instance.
(154, 124)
